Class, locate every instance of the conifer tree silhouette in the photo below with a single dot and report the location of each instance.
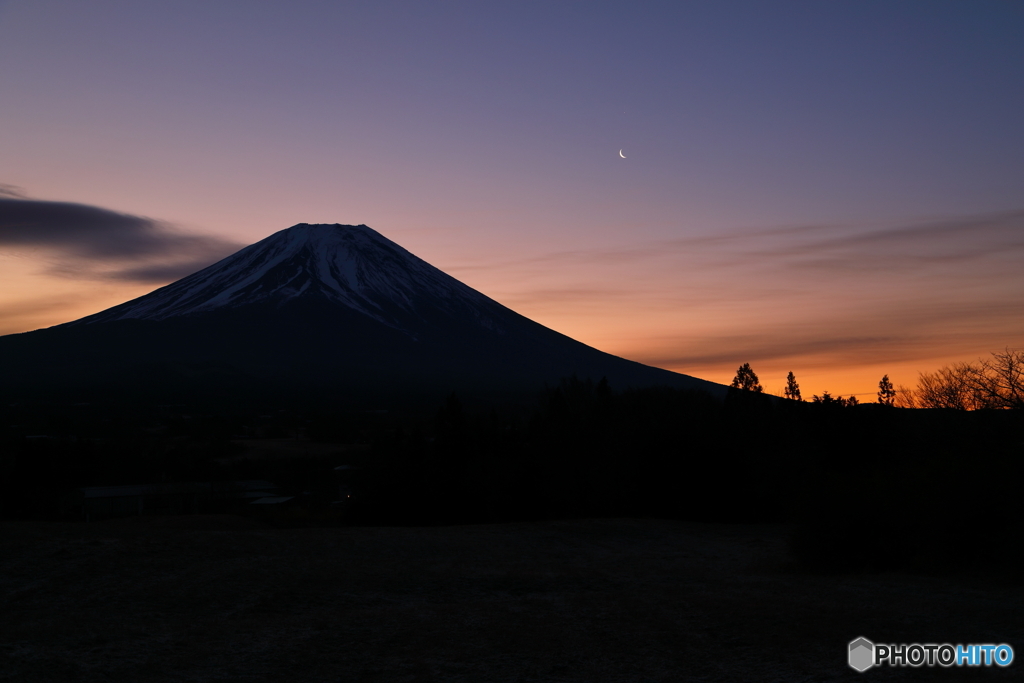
(747, 380)
(886, 392)
(792, 388)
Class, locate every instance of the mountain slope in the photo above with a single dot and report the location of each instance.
(316, 310)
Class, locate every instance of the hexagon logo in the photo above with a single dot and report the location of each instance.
(862, 654)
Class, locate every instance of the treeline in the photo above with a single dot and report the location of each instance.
(746, 380)
(873, 487)
(995, 383)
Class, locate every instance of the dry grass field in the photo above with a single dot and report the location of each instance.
(221, 598)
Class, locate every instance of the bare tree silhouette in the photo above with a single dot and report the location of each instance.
(990, 383)
(952, 386)
(905, 397)
(1000, 380)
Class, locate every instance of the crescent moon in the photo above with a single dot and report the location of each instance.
(621, 154)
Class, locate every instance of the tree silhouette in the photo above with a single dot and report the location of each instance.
(747, 380)
(886, 392)
(989, 383)
(792, 388)
(906, 397)
(952, 386)
(825, 398)
(1000, 381)
(828, 399)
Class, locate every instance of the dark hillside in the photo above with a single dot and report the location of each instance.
(904, 484)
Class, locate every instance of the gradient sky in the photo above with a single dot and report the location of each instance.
(832, 188)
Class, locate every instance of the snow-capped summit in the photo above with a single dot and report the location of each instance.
(350, 265)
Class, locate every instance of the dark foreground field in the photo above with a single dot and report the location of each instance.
(220, 598)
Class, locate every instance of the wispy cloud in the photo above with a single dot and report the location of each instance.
(836, 247)
(899, 332)
(19, 315)
(817, 295)
(572, 295)
(12, 191)
(92, 242)
(942, 242)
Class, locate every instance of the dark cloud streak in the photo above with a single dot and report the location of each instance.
(91, 239)
(12, 192)
(159, 272)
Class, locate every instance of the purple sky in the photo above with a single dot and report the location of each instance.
(831, 188)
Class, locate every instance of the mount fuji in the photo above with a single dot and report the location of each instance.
(328, 312)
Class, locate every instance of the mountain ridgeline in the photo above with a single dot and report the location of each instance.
(332, 313)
